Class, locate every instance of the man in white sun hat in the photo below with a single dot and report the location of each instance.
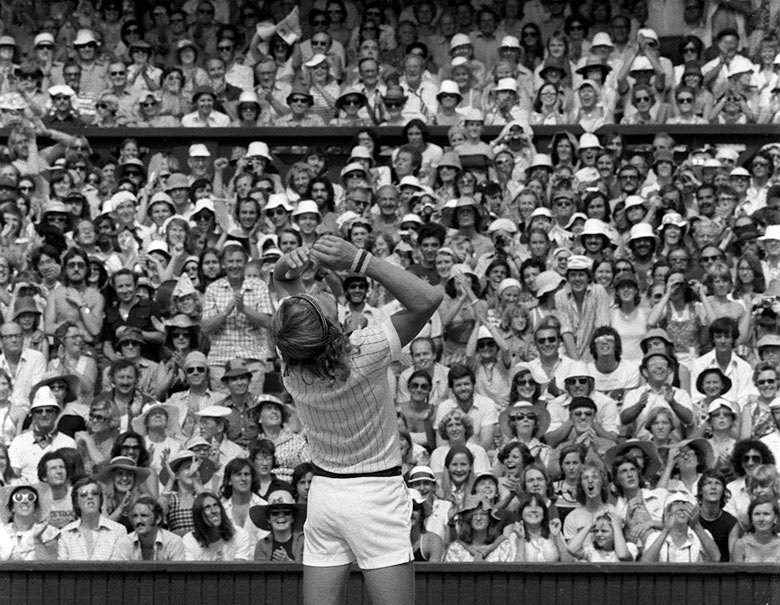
(584, 303)
(199, 161)
(28, 447)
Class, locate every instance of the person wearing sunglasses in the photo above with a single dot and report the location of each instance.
(684, 107)
(300, 101)
(746, 459)
(580, 383)
(62, 113)
(93, 71)
(197, 395)
(148, 113)
(27, 448)
(550, 365)
(349, 104)
(87, 496)
(76, 301)
(141, 74)
(584, 430)
(27, 536)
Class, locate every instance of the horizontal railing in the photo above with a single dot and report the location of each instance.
(338, 141)
(453, 584)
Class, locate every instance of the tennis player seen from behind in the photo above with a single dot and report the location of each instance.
(359, 509)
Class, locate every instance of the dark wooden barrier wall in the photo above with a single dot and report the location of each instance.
(291, 141)
(456, 584)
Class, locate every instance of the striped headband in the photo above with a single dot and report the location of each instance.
(317, 309)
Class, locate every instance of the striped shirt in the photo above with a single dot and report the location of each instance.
(237, 336)
(74, 545)
(351, 426)
(584, 320)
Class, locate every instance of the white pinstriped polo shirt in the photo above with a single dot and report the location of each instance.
(351, 426)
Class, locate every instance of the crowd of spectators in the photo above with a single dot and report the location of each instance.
(226, 63)
(600, 382)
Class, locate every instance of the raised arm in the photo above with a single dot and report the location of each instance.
(419, 299)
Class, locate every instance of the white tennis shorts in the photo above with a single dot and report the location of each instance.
(365, 520)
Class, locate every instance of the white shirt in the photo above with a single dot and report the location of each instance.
(351, 426)
(24, 453)
(215, 120)
(655, 400)
(29, 371)
(483, 413)
(235, 549)
(689, 552)
(626, 376)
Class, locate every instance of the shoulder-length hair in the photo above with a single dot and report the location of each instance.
(514, 395)
(759, 284)
(236, 465)
(606, 331)
(330, 203)
(416, 122)
(143, 454)
(589, 465)
(466, 533)
(538, 97)
(204, 533)
(539, 501)
(308, 340)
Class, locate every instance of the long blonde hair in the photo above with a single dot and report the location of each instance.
(309, 340)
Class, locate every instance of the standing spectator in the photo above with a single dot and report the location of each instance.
(25, 367)
(93, 70)
(584, 305)
(76, 301)
(236, 313)
(480, 409)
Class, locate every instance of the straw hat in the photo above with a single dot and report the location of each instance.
(652, 459)
(206, 468)
(172, 429)
(53, 376)
(123, 463)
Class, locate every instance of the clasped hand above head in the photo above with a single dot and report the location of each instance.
(334, 253)
(328, 252)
